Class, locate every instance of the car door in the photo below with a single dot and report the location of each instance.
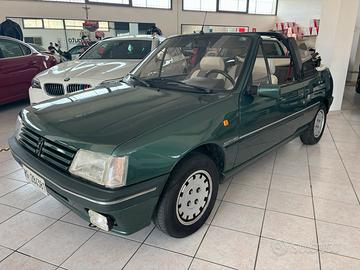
(17, 68)
(258, 130)
(293, 87)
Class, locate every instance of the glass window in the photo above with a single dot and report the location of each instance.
(103, 26)
(119, 2)
(33, 23)
(9, 49)
(196, 63)
(273, 49)
(74, 24)
(53, 24)
(233, 5)
(70, 1)
(202, 5)
(26, 50)
(262, 7)
(260, 75)
(166, 4)
(38, 47)
(119, 49)
(33, 40)
(78, 49)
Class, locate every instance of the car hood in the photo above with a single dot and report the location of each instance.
(103, 118)
(83, 70)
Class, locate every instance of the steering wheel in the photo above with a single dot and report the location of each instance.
(218, 71)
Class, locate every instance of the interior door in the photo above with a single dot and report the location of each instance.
(258, 130)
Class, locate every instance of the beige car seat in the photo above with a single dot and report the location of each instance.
(208, 63)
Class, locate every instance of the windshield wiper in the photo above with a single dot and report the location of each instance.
(168, 81)
(137, 79)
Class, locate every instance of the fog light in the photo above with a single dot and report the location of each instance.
(99, 220)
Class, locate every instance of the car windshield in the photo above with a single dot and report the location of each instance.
(196, 62)
(38, 48)
(119, 49)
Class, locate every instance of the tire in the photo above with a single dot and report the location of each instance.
(314, 132)
(189, 196)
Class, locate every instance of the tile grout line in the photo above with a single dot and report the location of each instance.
(313, 206)
(51, 224)
(342, 161)
(77, 249)
(263, 221)
(202, 239)
(141, 244)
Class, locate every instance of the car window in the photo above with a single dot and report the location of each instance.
(26, 50)
(214, 62)
(119, 49)
(38, 47)
(77, 49)
(260, 75)
(272, 49)
(10, 49)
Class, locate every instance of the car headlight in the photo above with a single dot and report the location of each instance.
(112, 81)
(19, 126)
(35, 83)
(105, 170)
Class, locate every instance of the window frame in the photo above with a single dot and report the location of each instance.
(24, 19)
(89, 2)
(228, 11)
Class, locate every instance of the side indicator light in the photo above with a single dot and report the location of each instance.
(226, 123)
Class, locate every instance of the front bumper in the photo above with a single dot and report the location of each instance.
(37, 95)
(129, 208)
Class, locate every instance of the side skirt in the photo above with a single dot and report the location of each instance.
(227, 175)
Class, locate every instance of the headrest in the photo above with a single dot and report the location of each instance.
(208, 63)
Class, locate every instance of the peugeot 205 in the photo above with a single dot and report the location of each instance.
(156, 145)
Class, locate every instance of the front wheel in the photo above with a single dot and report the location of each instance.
(189, 196)
(314, 132)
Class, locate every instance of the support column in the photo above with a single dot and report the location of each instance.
(334, 43)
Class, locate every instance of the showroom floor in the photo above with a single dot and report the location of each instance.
(297, 208)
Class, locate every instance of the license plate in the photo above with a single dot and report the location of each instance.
(35, 179)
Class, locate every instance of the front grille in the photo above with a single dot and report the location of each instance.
(54, 89)
(76, 87)
(54, 153)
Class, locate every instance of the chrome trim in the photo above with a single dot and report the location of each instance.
(238, 138)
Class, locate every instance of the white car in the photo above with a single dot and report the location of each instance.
(105, 62)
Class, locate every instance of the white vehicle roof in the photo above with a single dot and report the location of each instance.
(134, 37)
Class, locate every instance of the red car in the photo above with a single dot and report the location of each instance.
(19, 63)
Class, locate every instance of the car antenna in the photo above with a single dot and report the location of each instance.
(203, 24)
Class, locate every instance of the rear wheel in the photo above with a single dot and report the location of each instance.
(189, 196)
(314, 132)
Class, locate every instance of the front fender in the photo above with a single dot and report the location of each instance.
(156, 153)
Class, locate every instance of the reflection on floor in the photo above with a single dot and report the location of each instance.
(297, 208)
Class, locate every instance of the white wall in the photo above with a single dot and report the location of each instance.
(168, 20)
(355, 53)
(299, 11)
(338, 21)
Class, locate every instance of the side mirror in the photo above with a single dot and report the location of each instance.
(270, 91)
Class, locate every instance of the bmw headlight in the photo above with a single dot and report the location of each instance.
(105, 170)
(35, 83)
(18, 127)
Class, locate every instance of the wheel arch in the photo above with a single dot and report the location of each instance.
(215, 152)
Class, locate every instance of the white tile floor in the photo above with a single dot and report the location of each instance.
(297, 208)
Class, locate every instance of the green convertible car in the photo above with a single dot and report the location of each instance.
(156, 145)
